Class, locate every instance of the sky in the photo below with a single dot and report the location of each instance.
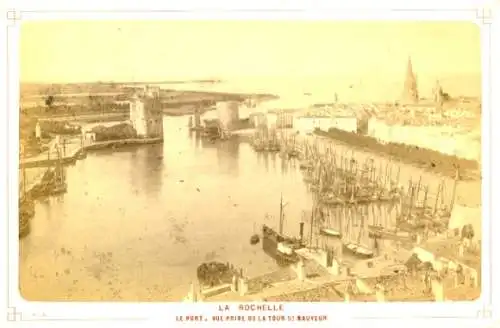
(84, 51)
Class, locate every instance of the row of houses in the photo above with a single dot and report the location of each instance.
(303, 123)
(146, 117)
(230, 114)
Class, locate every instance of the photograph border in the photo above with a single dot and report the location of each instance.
(20, 310)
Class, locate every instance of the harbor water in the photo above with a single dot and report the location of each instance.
(137, 221)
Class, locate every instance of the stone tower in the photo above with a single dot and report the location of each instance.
(410, 92)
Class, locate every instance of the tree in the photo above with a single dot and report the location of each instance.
(49, 101)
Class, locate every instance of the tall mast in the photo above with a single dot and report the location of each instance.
(24, 182)
(312, 224)
(454, 192)
(281, 214)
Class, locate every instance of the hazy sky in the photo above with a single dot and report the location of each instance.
(163, 50)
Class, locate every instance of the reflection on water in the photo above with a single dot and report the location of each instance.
(137, 221)
(227, 156)
(147, 173)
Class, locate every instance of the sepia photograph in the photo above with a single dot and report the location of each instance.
(250, 161)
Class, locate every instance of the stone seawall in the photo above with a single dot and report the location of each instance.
(78, 152)
(120, 143)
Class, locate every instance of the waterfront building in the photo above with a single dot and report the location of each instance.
(307, 124)
(146, 113)
(280, 119)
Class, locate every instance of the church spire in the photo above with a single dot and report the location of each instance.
(409, 70)
(410, 92)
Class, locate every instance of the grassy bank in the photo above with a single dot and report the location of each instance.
(425, 158)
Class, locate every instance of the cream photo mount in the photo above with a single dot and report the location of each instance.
(21, 310)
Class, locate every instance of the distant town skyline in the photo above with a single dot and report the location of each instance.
(65, 51)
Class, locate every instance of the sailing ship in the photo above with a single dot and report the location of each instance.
(262, 141)
(355, 247)
(289, 147)
(24, 224)
(26, 210)
(258, 141)
(417, 216)
(59, 184)
(328, 228)
(277, 245)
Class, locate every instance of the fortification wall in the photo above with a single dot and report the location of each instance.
(442, 139)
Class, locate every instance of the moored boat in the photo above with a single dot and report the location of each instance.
(82, 154)
(380, 232)
(59, 188)
(358, 250)
(305, 165)
(330, 232)
(277, 245)
(24, 225)
(280, 247)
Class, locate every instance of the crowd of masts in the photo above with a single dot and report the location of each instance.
(339, 180)
(269, 140)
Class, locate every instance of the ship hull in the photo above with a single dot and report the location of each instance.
(358, 251)
(331, 232)
(270, 241)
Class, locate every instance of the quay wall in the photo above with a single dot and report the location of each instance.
(120, 143)
(445, 140)
(428, 159)
(71, 158)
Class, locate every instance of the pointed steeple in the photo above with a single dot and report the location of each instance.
(409, 69)
(410, 92)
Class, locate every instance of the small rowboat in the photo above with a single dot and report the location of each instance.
(330, 232)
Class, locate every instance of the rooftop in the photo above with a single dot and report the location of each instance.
(448, 248)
